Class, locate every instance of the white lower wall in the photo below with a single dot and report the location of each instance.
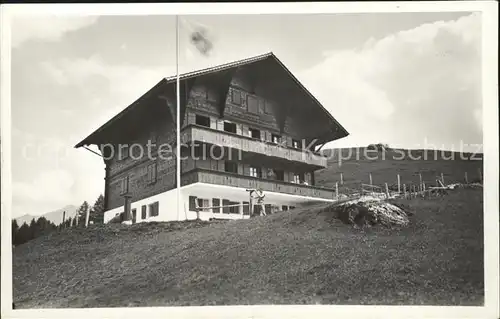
(168, 203)
(166, 206)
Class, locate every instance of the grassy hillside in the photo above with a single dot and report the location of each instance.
(357, 163)
(299, 256)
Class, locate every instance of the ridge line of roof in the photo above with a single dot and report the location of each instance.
(220, 67)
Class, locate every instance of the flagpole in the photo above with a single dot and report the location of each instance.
(178, 121)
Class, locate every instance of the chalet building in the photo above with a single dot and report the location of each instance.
(244, 125)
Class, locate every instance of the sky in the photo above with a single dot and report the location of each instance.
(409, 80)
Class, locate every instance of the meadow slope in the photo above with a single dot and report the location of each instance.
(299, 256)
(356, 164)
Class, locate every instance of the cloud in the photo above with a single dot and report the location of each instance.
(51, 186)
(47, 28)
(53, 174)
(105, 89)
(423, 82)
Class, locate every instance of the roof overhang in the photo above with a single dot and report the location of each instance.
(167, 86)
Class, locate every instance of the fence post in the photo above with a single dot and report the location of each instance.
(442, 178)
(420, 179)
(466, 178)
(423, 186)
(371, 181)
(480, 175)
(341, 179)
(404, 190)
(399, 184)
(386, 190)
(64, 220)
(337, 190)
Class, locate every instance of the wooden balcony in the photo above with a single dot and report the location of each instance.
(207, 135)
(241, 181)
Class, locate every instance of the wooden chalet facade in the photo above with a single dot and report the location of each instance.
(243, 125)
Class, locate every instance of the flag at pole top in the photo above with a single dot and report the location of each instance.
(199, 36)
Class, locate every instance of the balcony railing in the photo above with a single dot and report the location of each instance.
(235, 180)
(202, 134)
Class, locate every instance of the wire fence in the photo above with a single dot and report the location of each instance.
(411, 189)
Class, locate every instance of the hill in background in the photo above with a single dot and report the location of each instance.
(356, 164)
(55, 216)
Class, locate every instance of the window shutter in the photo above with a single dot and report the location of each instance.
(253, 104)
(143, 212)
(192, 203)
(154, 209)
(213, 123)
(216, 202)
(269, 137)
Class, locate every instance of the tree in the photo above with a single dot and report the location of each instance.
(81, 213)
(32, 229)
(15, 230)
(23, 235)
(97, 211)
(67, 222)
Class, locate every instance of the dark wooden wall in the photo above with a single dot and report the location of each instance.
(137, 169)
(203, 100)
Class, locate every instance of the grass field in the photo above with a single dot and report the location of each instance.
(356, 164)
(293, 257)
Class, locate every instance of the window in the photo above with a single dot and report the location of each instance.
(124, 185)
(253, 104)
(225, 209)
(284, 208)
(246, 208)
(151, 173)
(123, 151)
(203, 203)
(256, 172)
(291, 207)
(236, 97)
(280, 175)
(211, 95)
(154, 209)
(298, 178)
(234, 209)
(230, 127)
(230, 167)
(276, 138)
(295, 143)
(143, 212)
(202, 120)
(216, 203)
(254, 133)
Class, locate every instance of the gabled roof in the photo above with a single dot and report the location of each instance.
(221, 67)
(207, 71)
